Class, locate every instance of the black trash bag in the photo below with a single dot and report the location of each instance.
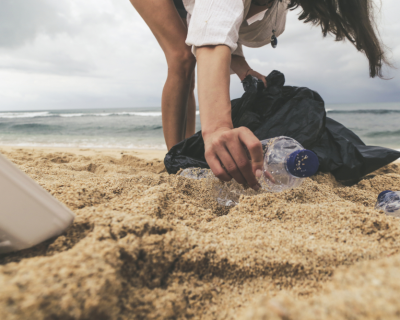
(298, 113)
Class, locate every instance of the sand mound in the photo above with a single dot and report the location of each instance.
(146, 245)
(368, 290)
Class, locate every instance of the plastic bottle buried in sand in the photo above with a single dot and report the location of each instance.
(389, 202)
(286, 161)
(226, 194)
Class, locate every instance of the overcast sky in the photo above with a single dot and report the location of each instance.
(75, 54)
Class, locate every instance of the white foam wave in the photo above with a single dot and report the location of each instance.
(11, 115)
(107, 114)
(327, 110)
(102, 114)
(125, 113)
(88, 145)
(70, 115)
(142, 114)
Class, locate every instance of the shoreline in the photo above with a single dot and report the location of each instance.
(146, 154)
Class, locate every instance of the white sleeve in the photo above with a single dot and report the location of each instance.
(238, 51)
(215, 22)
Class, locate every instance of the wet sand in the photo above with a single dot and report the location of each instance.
(147, 245)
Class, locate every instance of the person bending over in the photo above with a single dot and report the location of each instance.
(212, 33)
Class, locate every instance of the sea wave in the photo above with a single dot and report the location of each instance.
(364, 111)
(13, 115)
(108, 114)
(34, 126)
(141, 114)
(57, 130)
(88, 145)
(140, 128)
(69, 115)
(377, 134)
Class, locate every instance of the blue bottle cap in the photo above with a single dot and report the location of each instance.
(303, 163)
(382, 195)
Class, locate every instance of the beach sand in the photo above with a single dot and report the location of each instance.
(147, 245)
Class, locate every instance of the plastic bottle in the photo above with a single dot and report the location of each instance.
(389, 201)
(226, 194)
(195, 173)
(284, 159)
(288, 163)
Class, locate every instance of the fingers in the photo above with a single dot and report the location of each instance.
(226, 155)
(260, 77)
(231, 165)
(255, 149)
(239, 155)
(263, 79)
(216, 167)
(269, 176)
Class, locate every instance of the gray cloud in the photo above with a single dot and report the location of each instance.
(21, 21)
(335, 69)
(100, 53)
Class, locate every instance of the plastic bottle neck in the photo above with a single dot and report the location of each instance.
(302, 163)
(382, 195)
(286, 167)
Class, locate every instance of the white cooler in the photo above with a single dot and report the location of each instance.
(28, 213)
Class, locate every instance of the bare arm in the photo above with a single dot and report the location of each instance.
(225, 147)
(213, 83)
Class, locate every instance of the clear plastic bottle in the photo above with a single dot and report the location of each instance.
(225, 193)
(195, 173)
(284, 159)
(287, 162)
(389, 201)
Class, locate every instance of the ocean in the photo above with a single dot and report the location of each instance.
(141, 128)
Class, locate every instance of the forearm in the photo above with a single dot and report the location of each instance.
(225, 148)
(240, 66)
(213, 65)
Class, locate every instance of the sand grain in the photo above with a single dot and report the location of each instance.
(147, 245)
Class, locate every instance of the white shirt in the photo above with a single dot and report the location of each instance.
(216, 22)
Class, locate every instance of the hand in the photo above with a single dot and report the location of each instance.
(257, 75)
(240, 66)
(226, 154)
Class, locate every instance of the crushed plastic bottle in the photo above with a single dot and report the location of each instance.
(195, 173)
(284, 159)
(287, 162)
(223, 193)
(389, 202)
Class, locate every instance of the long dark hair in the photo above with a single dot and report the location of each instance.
(347, 19)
